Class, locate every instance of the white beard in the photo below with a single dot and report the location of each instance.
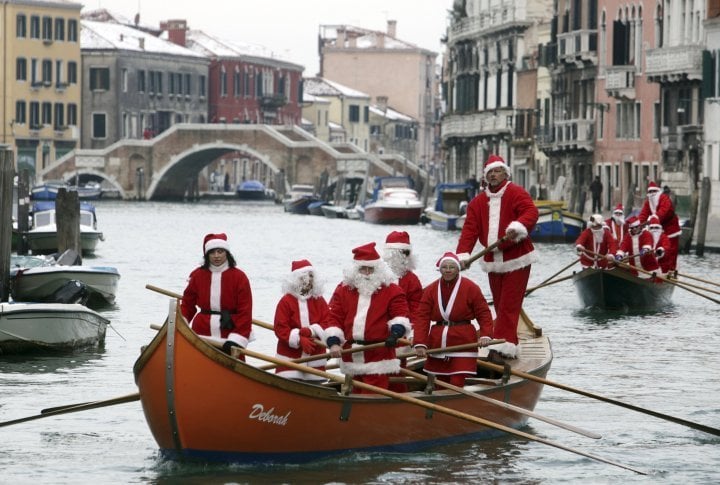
(398, 262)
(294, 283)
(619, 220)
(597, 235)
(653, 200)
(369, 284)
(656, 232)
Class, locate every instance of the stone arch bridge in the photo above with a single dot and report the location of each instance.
(179, 154)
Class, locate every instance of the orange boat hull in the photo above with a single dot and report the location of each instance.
(201, 403)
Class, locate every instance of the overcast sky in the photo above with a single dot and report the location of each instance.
(290, 27)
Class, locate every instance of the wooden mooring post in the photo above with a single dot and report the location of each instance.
(7, 174)
(67, 218)
(703, 216)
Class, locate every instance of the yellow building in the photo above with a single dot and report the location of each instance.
(40, 73)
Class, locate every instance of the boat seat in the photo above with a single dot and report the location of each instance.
(68, 258)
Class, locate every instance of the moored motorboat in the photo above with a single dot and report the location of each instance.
(39, 284)
(32, 327)
(200, 403)
(618, 289)
(48, 190)
(299, 198)
(42, 238)
(556, 223)
(334, 212)
(316, 208)
(251, 190)
(450, 202)
(394, 201)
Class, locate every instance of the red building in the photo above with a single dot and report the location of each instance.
(246, 83)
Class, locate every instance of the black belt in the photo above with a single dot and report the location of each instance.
(445, 323)
(367, 342)
(214, 312)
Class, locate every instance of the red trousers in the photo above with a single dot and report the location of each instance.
(508, 292)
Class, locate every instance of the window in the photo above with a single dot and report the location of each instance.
(21, 26)
(47, 28)
(223, 81)
(59, 116)
(202, 86)
(179, 83)
(236, 83)
(354, 113)
(21, 69)
(34, 115)
(72, 114)
(171, 84)
(187, 85)
(258, 85)
(72, 30)
(34, 27)
(366, 114)
(59, 29)
(99, 129)
(99, 79)
(124, 80)
(20, 112)
(72, 72)
(46, 113)
(47, 72)
(246, 84)
(141, 81)
(59, 73)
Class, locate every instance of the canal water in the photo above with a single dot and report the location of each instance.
(668, 362)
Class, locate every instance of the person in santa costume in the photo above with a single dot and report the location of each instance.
(661, 243)
(399, 256)
(637, 247)
(299, 318)
(444, 319)
(367, 307)
(616, 223)
(596, 239)
(660, 204)
(217, 300)
(503, 209)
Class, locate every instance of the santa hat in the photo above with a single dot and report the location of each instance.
(633, 222)
(366, 255)
(495, 161)
(398, 240)
(448, 256)
(618, 208)
(653, 187)
(302, 266)
(215, 241)
(596, 220)
(654, 220)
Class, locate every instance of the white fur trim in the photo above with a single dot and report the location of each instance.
(404, 321)
(294, 339)
(360, 320)
(304, 269)
(496, 164)
(507, 349)
(463, 256)
(512, 265)
(373, 262)
(449, 258)
(238, 339)
(335, 332)
(519, 228)
(318, 331)
(217, 244)
(390, 366)
(398, 246)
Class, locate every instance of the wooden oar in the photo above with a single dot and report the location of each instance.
(667, 417)
(698, 279)
(433, 407)
(692, 285)
(548, 281)
(502, 404)
(564, 278)
(482, 253)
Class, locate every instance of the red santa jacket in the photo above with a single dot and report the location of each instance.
(607, 245)
(489, 216)
(469, 304)
(661, 244)
(214, 291)
(367, 319)
(633, 246)
(291, 315)
(413, 289)
(665, 212)
(617, 230)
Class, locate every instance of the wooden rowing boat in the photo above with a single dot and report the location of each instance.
(618, 289)
(202, 404)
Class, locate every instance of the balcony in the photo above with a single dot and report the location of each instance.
(681, 138)
(470, 28)
(273, 101)
(673, 64)
(477, 124)
(575, 134)
(578, 46)
(620, 81)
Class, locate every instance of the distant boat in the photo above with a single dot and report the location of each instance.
(556, 223)
(37, 327)
(49, 189)
(334, 212)
(450, 200)
(316, 208)
(251, 190)
(299, 198)
(394, 201)
(42, 238)
(618, 289)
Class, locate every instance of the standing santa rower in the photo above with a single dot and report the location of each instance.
(299, 318)
(217, 300)
(617, 224)
(367, 308)
(660, 204)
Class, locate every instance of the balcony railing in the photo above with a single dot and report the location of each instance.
(575, 134)
(477, 124)
(472, 27)
(620, 81)
(273, 101)
(674, 63)
(578, 45)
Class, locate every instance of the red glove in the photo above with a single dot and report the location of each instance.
(305, 332)
(307, 344)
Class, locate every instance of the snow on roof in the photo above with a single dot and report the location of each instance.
(112, 36)
(335, 126)
(365, 38)
(311, 98)
(105, 15)
(209, 45)
(319, 86)
(391, 114)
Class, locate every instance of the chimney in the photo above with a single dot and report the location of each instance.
(392, 28)
(141, 42)
(382, 103)
(340, 41)
(176, 30)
